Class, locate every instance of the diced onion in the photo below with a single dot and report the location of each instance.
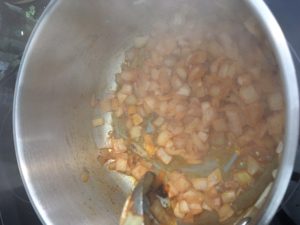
(150, 101)
(195, 208)
(206, 207)
(243, 178)
(215, 91)
(252, 26)
(175, 128)
(179, 141)
(252, 166)
(177, 212)
(260, 201)
(119, 145)
(176, 82)
(214, 178)
(155, 74)
(180, 183)
(137, 119)
(181, 73)
(248, 94)
(203, 136)
(234, 121)
(218, 139)
(243, 80)
(275, 124)
(226, 70)
(163, 156)
(121, 165)
(225, 212)
(200, 184)
(163, 138)
(170, 61)
(228, 196)
(183, 207)
(275, 101)
(135, 132)
(197, 57)
(159, 121)
(131, 100)
(131, 110)
(220, 125)
(208, 113)
(185, 90)
(121, 97)
(126, 89)
(98, 122)
(128, 75)
(139, 171)
(279, 148)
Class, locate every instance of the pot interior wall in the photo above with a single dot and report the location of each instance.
(75, 52)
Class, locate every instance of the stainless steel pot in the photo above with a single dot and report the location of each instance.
(75, 49)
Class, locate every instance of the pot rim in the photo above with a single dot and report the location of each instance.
(289, 80)
(25, 177)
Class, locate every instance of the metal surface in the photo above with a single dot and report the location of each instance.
(74, 51)
(289, 80)
(244, 221)
(135, 203)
